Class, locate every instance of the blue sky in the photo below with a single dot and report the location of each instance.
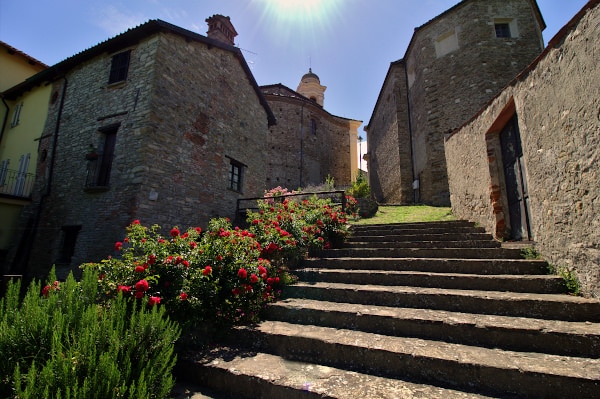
(348, 43)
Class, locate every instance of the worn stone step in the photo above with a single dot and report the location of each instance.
(423, 244)
(580, 339)
(438, 363)
(541, 284)
(464, 253)
(404, 231)
(245, 374)
(433, 265)
(420, 237)
(542, 306)
(449, 224)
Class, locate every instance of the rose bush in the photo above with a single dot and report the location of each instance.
(215, 275)
(224, 274)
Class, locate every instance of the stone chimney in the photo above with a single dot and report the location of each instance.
(221, 29)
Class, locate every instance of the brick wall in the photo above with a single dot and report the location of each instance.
(557, 107)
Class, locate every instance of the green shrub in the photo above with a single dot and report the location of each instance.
(360, 187)
(61, 344)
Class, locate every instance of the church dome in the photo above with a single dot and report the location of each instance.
(310, 74)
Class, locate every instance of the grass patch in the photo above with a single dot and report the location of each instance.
(408, 214)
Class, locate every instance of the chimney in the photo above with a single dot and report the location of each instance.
(221, 29)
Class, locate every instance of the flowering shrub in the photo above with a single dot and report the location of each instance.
(277, 193)
(289, 229)
(214, 275)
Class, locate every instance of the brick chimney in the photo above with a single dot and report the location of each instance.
(221, 29)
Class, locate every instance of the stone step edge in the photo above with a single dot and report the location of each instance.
(525, 373)
(580, 339)
(433, 265)
(465, 281)
(282, 378)
(548, 306)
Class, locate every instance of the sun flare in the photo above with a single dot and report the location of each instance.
(299, 11)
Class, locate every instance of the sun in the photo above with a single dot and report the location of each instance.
(305, 12)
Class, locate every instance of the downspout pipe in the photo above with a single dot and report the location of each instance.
(29, 237)
(410, 135)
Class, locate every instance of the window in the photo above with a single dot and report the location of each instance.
(16, 115)
(98, 172)
(3, 171)
(313, 126)
(502, 30)
(69, 236)
(235, 175)
(119, 67)
(446, 43)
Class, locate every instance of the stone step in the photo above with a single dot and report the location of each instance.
(403, 231)
(260, 375)
(542, 306)
(420, 237)
(464, 253)
(541, 284)
(438, 363)
(433, 265)
(423, 244)
(449, 224)
(580, 339)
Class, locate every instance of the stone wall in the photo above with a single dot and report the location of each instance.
(186, 109)
(389, 161)
(557, 103)
(300, 155)
(453, 66)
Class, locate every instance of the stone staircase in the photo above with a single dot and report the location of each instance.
(424, 310)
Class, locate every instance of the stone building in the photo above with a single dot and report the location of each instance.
(526, 166)
(158, 124)
(308, 144)
(453, 65)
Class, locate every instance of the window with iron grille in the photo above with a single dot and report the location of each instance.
(119, 67)
(69, 240)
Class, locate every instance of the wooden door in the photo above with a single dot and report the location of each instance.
(516, 182)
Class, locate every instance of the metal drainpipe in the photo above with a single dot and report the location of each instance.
(30, 240)
(410, 137)
(301, 143)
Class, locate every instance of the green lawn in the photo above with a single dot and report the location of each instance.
(408, 214)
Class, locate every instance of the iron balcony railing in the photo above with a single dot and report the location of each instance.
(16, 184)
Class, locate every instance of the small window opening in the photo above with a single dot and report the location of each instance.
(502, 30)
(119, 67)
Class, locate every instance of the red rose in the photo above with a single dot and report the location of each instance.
(235, 291)
(270, 281)
(136, 221)
(46, 290)
(140, 269)
(253, 278)
(185, 263)
(151, 259)
(255, 221)
(242, 273)
(207, 271)
(193, 244)
(118, 246)
(139, 294)
(153, 300)
(183, 296)
(198, 230)
(174, 232)
(125, 289)
(142, 286)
